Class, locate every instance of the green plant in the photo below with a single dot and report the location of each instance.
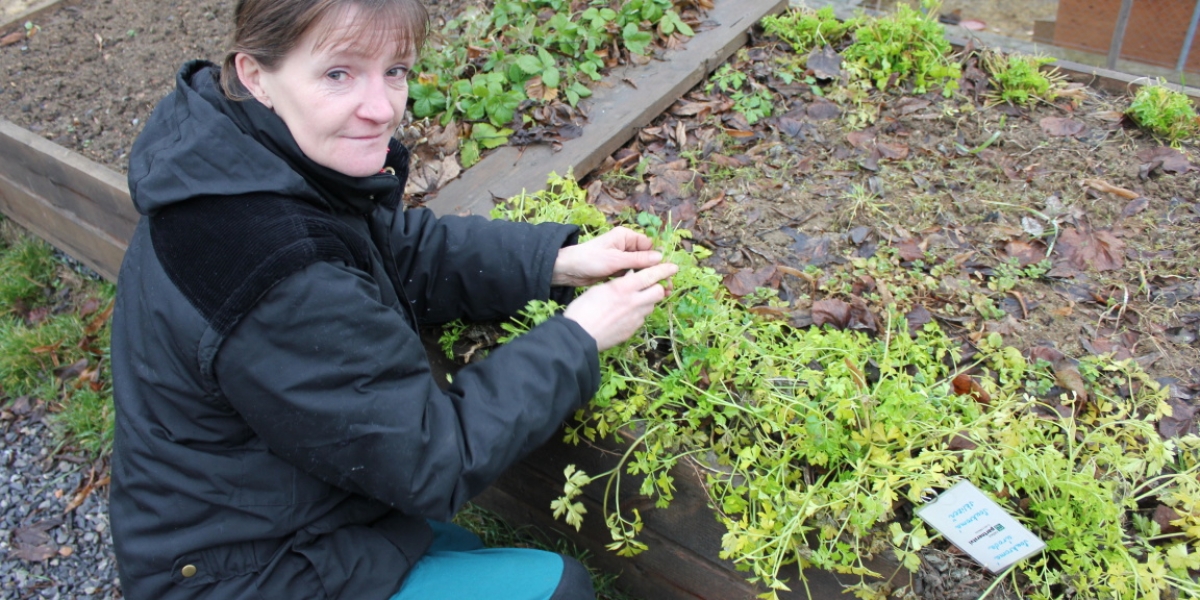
(1165, 112)
(27, 271)
(810, 439)
(904, 46)
(806, 29)
(483, 66)
(1019, 79)
(57, 354)
(753, 100)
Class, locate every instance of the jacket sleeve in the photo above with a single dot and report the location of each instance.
(471, 267)
(338, 383)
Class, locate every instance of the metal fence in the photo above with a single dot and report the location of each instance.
(1141, 37)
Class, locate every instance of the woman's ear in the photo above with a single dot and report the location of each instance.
(250, 72)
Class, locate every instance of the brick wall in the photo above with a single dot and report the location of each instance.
(1154, 35)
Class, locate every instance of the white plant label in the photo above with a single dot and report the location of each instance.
(979, 527)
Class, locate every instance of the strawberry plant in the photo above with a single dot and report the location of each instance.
(489, 63)
(816, 442)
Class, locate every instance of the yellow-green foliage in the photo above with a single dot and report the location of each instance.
(1019, 79)
(1164, 111)
(906, 44)
(810, 438)
(806, 29)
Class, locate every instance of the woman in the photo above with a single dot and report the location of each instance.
(279, 434)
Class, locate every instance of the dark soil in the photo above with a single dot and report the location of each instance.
(796, 191)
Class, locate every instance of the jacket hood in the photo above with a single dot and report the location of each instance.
(200, 143)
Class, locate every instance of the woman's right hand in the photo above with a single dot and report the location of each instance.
(613, 311)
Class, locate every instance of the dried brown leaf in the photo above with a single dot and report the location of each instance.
(1103, 186)
(1095, 249)
(1061, 126)
(745, 281)
(831, 312)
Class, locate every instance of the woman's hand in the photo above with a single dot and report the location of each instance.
(591, 262)
(613, 311)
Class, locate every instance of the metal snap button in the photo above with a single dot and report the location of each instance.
(188, 570)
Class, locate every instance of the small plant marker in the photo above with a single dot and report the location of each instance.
(979, 527)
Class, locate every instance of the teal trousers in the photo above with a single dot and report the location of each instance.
(458, 567)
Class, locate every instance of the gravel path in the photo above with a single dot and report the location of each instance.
(54, 537)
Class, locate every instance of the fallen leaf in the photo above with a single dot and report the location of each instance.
(1099, 250)
(831, 312)
(965, 385)
(863, 140)
(908, 105)
(745, 281)
(674, 185)
(1103, 186)
(1135, 206)
(12, 38)
(33, 542)
(823, 110)
(1180, 422)
(1026, 253)
(1061, 126)
(825, 63)
(1163, 515)
(961, 442)
(1068, 378)
(892, 151)
(1164, 157)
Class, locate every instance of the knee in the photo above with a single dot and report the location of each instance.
(576, 582)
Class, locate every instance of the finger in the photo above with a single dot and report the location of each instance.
(631, 241)
(640, 280)
(637, 260)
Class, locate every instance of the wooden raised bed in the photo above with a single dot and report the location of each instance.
(84, 209)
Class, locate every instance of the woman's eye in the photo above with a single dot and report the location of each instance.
(336, 75)
(397, 72)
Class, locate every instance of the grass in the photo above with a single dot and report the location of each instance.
(54, 340)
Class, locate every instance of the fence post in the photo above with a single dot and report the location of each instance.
(1187, 42)
(1114, 49)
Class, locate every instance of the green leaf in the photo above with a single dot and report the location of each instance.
(550, 77)
(546, 58)
(636, 39)
(470, 153)
(489, 137)
(529, 64)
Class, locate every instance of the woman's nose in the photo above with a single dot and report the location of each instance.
(375, 104)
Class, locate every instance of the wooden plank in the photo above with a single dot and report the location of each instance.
(78, 205)
(684, 539)
(14, 13)
(625, 101)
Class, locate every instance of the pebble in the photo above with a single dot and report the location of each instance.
(33, 489)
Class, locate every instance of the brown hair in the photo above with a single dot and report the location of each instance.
(269, 29)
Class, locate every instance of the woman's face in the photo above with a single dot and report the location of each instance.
(341, 99)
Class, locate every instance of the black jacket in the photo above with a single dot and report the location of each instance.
(279, 433)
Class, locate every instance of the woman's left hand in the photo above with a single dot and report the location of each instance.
(616, 251)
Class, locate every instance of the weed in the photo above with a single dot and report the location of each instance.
(751, 99)
(27, 271)
(1165, 112)
(904, 46)
(1019, 79)
(806, 29)
(811, 438)
(60, 355)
